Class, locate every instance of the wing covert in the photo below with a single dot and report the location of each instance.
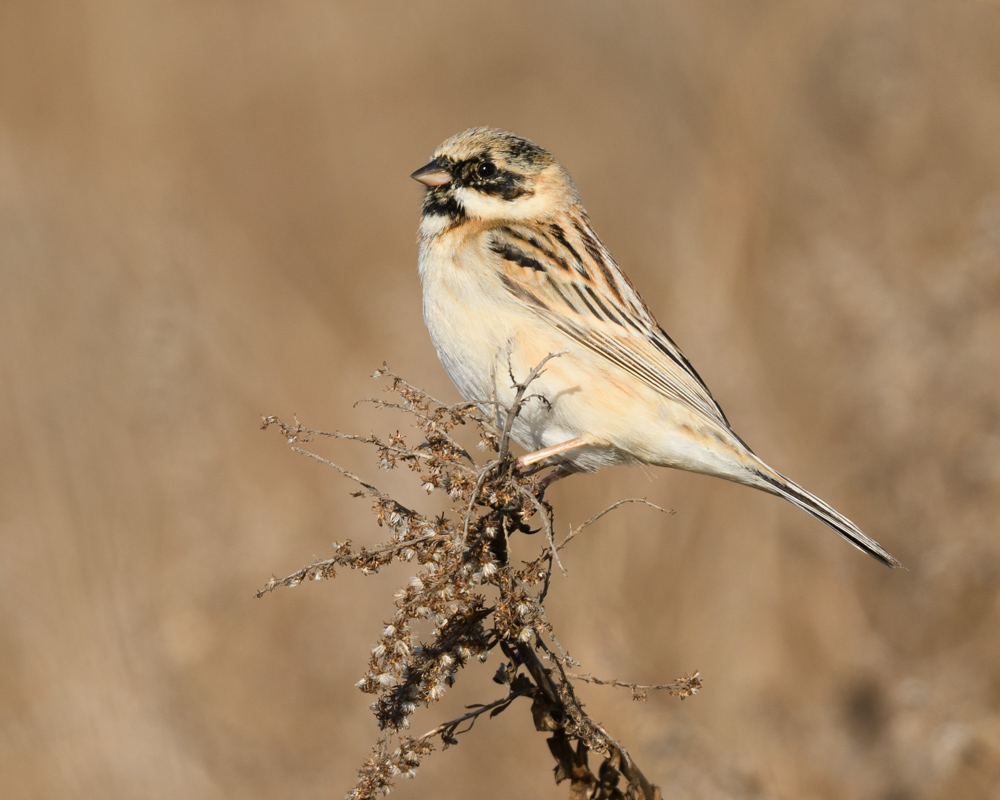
(568, 278)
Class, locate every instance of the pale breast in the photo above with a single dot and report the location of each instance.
(469, 316)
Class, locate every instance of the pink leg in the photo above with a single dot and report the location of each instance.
(548, 452)
(556, 475)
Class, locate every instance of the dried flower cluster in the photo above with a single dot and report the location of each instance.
(475, 599)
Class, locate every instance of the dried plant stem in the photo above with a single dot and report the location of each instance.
(371, 490)
(519, 397)
(461, 558)
(448, 730)
(682, 687)
(617, 504)
(557, 702)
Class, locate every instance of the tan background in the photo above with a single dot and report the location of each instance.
(205, 215)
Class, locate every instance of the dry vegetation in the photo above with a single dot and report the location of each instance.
(205, 214)
(474, 597)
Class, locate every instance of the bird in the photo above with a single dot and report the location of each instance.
(512, 274)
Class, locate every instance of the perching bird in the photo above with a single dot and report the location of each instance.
(512, 272)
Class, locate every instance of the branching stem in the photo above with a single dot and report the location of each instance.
(457, 558)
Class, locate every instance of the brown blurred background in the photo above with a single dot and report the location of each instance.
(205, 215)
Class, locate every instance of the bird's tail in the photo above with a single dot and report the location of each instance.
(776, 483)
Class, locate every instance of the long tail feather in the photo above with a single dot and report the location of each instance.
(778, 484)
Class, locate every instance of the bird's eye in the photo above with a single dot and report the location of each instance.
(487, 169)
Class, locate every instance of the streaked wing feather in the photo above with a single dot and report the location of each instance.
(571, 281)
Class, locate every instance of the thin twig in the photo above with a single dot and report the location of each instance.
(429, 419)
(324, 568)
(544, 511)
(372, 490)
(550, 632)
(515, 407)
(451, 725)
(681, 687)
(608, 510)
(406, 452)
(384, 370)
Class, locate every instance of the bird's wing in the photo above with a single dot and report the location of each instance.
(563, 272)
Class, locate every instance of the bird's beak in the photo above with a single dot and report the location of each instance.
(433, 174)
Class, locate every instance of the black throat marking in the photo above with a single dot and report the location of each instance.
(441, 202)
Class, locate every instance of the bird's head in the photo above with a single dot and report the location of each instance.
(491, 175)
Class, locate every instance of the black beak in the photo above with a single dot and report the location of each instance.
(433, 174)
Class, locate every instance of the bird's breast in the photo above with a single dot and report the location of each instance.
(470, 317)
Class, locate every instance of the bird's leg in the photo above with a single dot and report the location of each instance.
(556, 475)
(548, 452)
